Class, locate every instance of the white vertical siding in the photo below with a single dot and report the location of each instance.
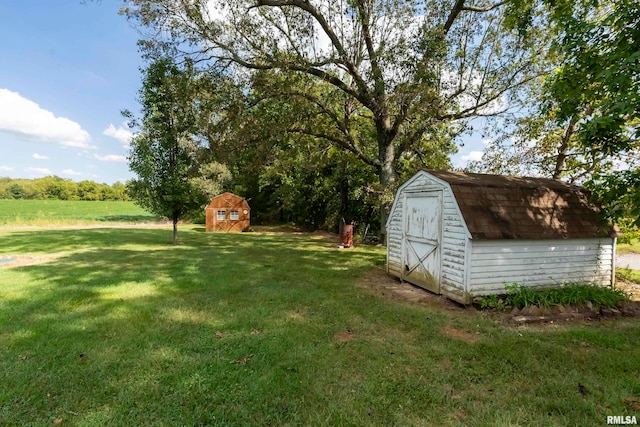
(454, 235)
(453, 246)
(395, 231)
(496, 263)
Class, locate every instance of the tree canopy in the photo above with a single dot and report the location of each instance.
(582, 121)
(599, 74)
(386, 79)
(390, 84)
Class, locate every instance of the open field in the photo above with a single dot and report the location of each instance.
(117, 327)
(65, 212)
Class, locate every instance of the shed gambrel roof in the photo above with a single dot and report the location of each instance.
(229, 200)
(505, 207)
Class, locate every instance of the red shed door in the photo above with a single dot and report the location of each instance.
(422, 237)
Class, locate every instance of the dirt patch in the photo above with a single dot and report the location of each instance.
(447, 366)
(291, 231)
(345, 336)
(633, 289)
(20, 260)
(378, 282)
(387, 286)
(459, 334)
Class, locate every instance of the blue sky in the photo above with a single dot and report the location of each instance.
(67, 69)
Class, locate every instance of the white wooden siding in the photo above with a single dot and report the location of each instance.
(394, 238)
(454, 235)
(454, 240)
(496, 263)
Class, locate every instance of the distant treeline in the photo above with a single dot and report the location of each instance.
(54, 187)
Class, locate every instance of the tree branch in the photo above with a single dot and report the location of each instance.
(376, 71)
(320, 19)
(457, 8)
(353, 149)
(483, 9)
(473, 110)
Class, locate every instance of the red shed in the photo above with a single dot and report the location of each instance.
(228, 212)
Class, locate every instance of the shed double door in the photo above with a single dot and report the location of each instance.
(422, 239)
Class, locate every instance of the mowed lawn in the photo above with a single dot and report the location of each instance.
(66, 212)
(120, 328)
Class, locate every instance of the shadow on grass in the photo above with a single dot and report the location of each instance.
(213, 330)
(51, 241)
(239, 329)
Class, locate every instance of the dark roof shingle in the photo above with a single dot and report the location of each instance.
(505, 207)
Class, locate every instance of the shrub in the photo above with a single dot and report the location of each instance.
(629, 231)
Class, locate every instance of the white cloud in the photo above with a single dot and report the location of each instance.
(472, 156)
(71, 172)
(120, 133)
(5, 168)
(40, 156)
(40, 171)
(111, 158)
(24, 117)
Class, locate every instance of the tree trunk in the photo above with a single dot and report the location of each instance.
(175, 231)
(561, 158)
(386, 174)
(345, 213)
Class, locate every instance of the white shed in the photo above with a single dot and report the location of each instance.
(465, 235)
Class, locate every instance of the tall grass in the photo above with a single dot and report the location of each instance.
(575, 293)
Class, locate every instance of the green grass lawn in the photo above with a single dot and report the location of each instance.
(65, 212)
(628, 274)
(628, 248)
(121, 328)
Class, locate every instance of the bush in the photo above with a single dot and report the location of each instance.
(629, 231)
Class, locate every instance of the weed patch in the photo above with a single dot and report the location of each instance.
(571, 294)
(628, 275)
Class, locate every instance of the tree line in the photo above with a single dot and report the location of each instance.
(317, 110)
(54, 187)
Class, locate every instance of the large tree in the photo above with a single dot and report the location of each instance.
(597, 86)
(584, 117)
(171, 180)
(408, 68)
(285, 142)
